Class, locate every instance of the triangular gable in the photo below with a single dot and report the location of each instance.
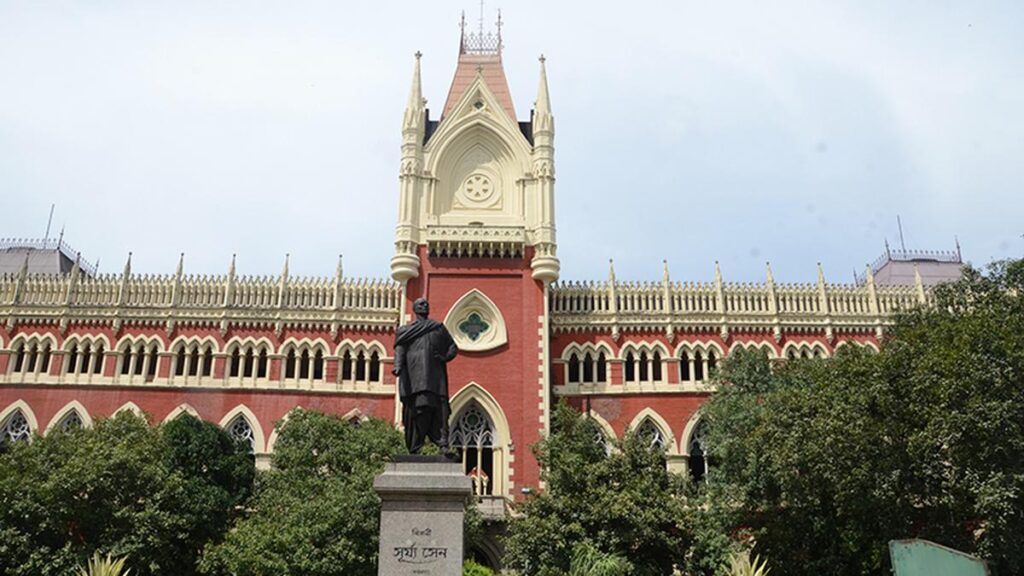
(490, 68)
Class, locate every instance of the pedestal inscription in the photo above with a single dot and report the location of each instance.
(422, 499)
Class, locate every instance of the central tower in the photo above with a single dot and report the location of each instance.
(477, 182)
(476, 236)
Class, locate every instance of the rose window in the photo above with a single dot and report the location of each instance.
(473, 326)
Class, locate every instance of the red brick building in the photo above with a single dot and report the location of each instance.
(476, 236)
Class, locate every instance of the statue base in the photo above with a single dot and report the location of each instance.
(422, 504)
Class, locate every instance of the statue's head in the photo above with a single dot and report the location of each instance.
(421, 307)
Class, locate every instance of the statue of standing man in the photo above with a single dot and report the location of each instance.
(423, 349)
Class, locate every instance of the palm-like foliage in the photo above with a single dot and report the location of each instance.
(104, 566)
(589, 561)
(742, 565)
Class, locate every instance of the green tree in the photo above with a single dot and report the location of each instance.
(120, 487)
(315, 513)
(625, 503)
(824, 461)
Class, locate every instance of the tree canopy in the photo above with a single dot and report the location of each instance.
(315, 513)
(622, 502)
(156, 495)
(825, 461)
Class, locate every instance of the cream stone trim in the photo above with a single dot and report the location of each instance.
(503, 446)
(194, 342)
(305, 343)
(257, 344)
(581, 349)
(272, 441)
(666, 430)
(356, 346)
(355, 413)
(243, 411)
(131, 407)
(632, 388)
(688, 430)
(754, 345)
(800, 347)
(478, 302)
(73, 406)
(866, 344)
(606, 427)
(33, 338)
(638, 346)
(86, 338)
(181, 409)
(702, 346)
(27, 412)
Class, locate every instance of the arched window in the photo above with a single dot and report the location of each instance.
(152, 363)
(261, 365)
(73, 359)
(656, 367)
(698, 366)
(207, 362)
(179, 362)
(346, 366)
(318, 365)
(602, 368)
(651, 434)
(249, 362)
(241, 430)
(304, 365)
(71, 421)
(236, 363)
(698, 463)
(97, 363)
(643, 366)
(19, 358)
(588, 368)
(473, 437)
(684, 366)
(712, 362)
(360, 366)
(289, 364)
(193, 362)
(374, 367)
(574, 368)
(630, 367)
(14, 429)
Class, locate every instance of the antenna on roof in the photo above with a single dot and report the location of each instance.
(49, 221)
(899, 224)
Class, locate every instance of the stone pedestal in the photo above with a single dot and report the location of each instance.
(422, 500)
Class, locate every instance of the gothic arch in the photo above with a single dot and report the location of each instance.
(473, 394)
(476, 302)
(26, 411)
(259, 441)
(305, 343)
(688, 431)
(659, 422)
(131, 407)
(60, 415)
(606, 427)
(753, 345)
(181, 409)
(80, 339)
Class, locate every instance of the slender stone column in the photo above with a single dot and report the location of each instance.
(422, 503)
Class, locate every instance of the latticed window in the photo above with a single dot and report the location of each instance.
(698, 463)
(15, 429)
(71, 421)
(241, 430)
(651, 434)
(473, 436)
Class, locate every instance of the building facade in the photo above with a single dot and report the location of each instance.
(476, 236)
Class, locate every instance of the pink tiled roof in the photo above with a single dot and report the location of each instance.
(494, 77)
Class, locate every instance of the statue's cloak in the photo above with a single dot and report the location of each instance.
(422, 348)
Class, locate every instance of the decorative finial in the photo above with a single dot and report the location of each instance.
(542, 59)
(418, 54)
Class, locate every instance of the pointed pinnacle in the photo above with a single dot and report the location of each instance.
(821, 274)
(543, 103)
(181, 264)
(769, 275)
(664, 273)
(416, 90)
(338, 271)
(611, 269)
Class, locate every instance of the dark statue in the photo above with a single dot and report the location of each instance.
(423, 349)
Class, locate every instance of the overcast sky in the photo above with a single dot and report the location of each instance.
(688, 131)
